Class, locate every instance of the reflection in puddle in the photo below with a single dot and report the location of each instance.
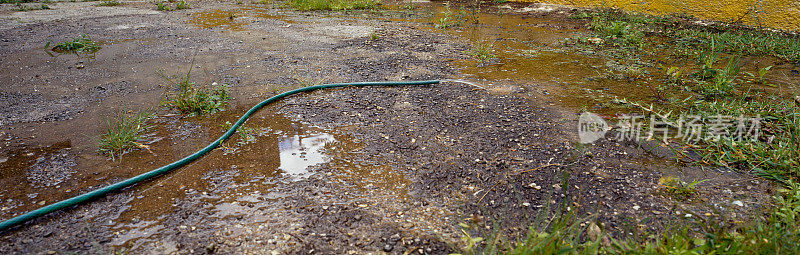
(298, 152)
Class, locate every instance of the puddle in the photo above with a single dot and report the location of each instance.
(242, 180)
(280, 151)
(531, 59)
(30, 177)
(781, 14)
(297, 152)
(218, 18)
(233, 20)
(235, 180)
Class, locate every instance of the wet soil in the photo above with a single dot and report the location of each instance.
(339, 171)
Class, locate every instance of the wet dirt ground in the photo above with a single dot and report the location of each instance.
(339, 171)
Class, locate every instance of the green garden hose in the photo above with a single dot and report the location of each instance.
(188, 159)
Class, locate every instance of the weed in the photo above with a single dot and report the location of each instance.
(482, 51)
(307, 82)
(471, 244)
(758, 78)
(82, 44)
(677, 188)
(674, 75)
(124, 131)
(776, 157)
(560, 233)
(246, 134)
(581, 15)
(707, 59)
(711, 87)
(449, 18)
(743, 42)
(23, 8)
(109, 3)
(374, 36)
(333, 5)
(621, 33)
(181, 5)
(193, 100)
(561, 236)
(162, 6)
(627, 30)
(723, 81)
(777, 233)
(408, 7)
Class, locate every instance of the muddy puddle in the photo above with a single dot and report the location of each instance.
(236, 179)
(532, 58)
(234, 19)
(529, 57)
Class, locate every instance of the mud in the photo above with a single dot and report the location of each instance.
(344, 171)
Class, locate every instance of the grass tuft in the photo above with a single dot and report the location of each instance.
(109, 3)
(620, 32)
(182, 5)
(679, 189)
(165, 6)
(124, 131)
(23, 8)
(190, 99)
(79, 45)
(162, 6)
(786, 47)
(713, 86)
(563, 233)
(246, 134)
(483, 52)
(449, 18)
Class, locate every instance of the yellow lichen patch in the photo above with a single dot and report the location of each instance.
(780, 14)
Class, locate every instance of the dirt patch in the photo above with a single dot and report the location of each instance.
(65, 11)
(52, 170)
